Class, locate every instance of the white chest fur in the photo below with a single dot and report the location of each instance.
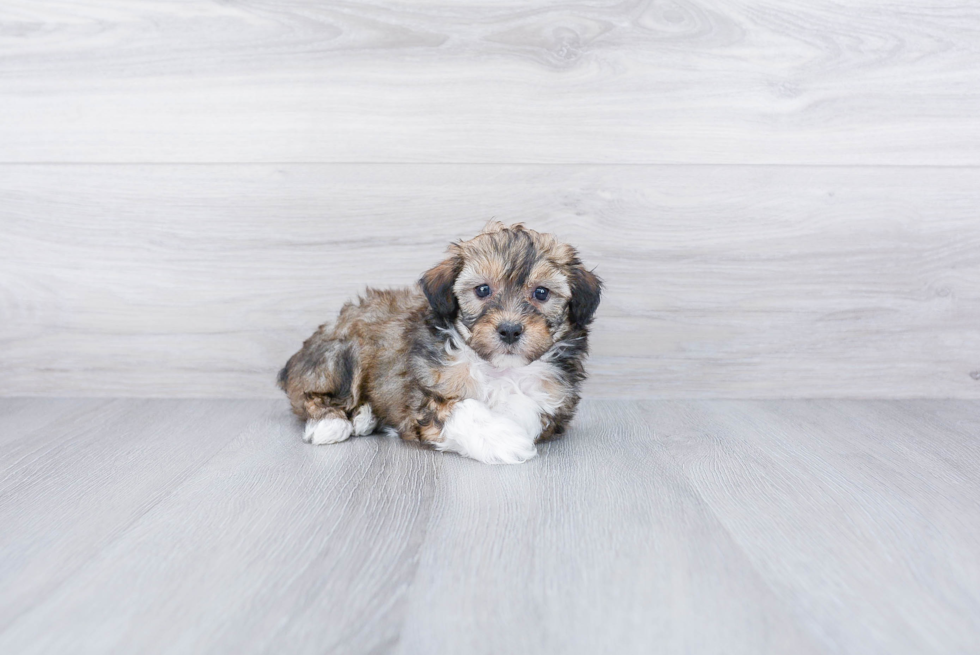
(521, 393)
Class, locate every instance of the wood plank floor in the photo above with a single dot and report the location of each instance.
(655, 526)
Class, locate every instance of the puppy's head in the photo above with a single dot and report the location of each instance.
(512, 292)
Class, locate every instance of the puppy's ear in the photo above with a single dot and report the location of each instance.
(437, 285)
(586, 287)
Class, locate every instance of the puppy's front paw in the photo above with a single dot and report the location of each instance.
(474, 431)
(327, 430)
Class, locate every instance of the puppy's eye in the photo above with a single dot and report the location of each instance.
(482, 291)
(541, 294)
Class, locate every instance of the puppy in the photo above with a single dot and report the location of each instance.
(483, 358)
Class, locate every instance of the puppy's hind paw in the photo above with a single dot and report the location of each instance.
(327, 430)
(364, 421)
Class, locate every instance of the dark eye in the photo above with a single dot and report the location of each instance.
(482, 291)
(541, 294)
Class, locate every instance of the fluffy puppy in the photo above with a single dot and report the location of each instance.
(484, 357)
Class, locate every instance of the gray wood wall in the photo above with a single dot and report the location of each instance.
(784, 197)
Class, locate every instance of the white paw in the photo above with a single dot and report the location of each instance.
(474, 431)
(364, 421)
(327, 430)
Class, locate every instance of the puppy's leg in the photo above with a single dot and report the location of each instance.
(553, 425)
(335, 428)
(322, 382)
(332, 428)
(364, 421)
(472, 430)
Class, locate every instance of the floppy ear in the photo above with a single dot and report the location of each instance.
(437, 285)
(586, 288)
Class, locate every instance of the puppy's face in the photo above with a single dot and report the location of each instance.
(512, 292)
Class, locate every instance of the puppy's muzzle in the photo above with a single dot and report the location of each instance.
(510, 332)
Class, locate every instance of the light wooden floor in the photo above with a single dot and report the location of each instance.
(138, 526)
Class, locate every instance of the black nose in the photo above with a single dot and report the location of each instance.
(510, 332)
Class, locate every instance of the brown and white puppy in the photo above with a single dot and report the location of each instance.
(484, 357)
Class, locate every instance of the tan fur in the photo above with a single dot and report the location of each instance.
(398, 349)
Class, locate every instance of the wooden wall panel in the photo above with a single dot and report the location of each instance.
(751, 281)
(781, 195)
(539, 81)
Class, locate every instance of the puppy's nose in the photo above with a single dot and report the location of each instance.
(510, 332)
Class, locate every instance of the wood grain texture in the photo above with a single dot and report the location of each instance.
(721, 281)
(588, 551)
(705, 81)
(675, 526)
(264, 545)
(74, 476)
(870, 479)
